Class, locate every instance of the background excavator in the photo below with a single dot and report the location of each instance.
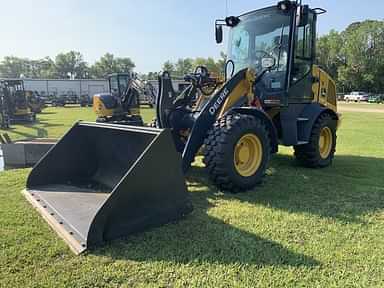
(35, 102)
(122, 104)
(273, 94)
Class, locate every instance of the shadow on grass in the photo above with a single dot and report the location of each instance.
(200, 238)
(349, 189)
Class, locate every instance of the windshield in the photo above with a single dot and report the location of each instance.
(264, 33)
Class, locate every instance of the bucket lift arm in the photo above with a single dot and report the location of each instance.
(235, 92)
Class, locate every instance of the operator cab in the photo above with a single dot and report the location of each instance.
(118, 83)
(18, 96)
(122, 91)
(285, 33)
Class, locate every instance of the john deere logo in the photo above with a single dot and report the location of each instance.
(218, 102)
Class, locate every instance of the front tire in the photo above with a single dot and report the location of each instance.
(237, 152)
(320, 150)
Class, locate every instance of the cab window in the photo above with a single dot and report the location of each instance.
(240, 45)
(114, 86)
(303, 51)
(123, 84)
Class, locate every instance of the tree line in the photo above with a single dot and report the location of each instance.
(70, 65)
(355, 56)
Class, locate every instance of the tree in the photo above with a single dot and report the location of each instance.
(183, 66)
(150, 76)
(42, 68)
(71, 65)
(13, 67)
(169, 67)
(363, 49)
(355, 57)
(187, 65)
(329, 52)
(109, 64)
(124, 64)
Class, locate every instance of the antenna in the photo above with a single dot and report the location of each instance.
(226, 8)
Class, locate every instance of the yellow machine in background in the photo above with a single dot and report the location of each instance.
(122, 104)
(16, 102)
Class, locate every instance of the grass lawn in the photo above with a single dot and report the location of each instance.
(53, 122)
(300, 228)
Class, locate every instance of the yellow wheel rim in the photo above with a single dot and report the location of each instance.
(325, 142)
(248, 155)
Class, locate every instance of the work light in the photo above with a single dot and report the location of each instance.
(284, 5)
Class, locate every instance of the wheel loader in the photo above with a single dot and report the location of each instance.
(104, 181)
(16, 97)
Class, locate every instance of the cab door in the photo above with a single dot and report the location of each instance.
(301, 78)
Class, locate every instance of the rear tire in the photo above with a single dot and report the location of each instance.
(237, 152)
(320, 150)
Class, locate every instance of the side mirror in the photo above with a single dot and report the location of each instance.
(219, 33)
(268, 62)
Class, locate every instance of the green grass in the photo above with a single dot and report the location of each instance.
(53, 122)
(300, 228)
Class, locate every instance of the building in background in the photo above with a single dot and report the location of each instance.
(51, 88)
(81, 91)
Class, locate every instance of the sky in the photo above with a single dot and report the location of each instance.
(150, 32)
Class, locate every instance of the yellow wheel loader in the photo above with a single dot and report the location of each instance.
(103, 181)
(16, 97)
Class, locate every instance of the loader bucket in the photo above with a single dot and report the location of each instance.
(105, 181)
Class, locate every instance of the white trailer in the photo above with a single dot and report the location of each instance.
(60, 87)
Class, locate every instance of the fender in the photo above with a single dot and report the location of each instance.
(260, 114)
(312, 112)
